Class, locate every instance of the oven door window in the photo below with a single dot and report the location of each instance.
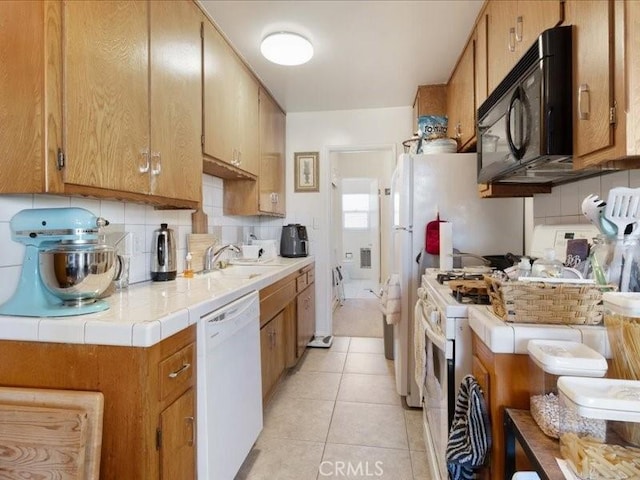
(436, 399)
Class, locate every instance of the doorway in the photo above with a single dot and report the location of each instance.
(360, 235)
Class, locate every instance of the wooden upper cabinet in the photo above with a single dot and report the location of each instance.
(83, 92)
(230, 105)
(461, 99)
(513, 26)
(606, 82)
(430, 100)
(272, 156)
(176, 100)
(593, 74)
(21, 96)
(106, 91)
(481, 37)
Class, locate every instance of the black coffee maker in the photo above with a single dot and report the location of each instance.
(294, 241)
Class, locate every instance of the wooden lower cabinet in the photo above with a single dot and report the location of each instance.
(149, 398)
(306, 317)
(287, 323)
(505, 383)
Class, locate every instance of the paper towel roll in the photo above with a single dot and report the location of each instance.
(446, 246)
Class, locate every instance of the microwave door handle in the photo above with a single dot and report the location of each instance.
(518, 153)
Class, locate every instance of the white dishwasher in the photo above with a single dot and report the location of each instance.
(229, 387)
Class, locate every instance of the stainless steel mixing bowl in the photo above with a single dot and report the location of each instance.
(77, 274)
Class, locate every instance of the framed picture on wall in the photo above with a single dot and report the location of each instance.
(306, 172)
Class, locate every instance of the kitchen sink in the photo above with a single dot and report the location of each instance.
(242, 272)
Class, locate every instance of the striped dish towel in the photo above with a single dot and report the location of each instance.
(470, 434)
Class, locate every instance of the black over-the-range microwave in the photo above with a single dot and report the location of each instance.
(524, 127)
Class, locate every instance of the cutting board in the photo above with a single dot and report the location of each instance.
(53, 432)
(197, 244)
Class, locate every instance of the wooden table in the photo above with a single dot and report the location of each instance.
(541, 450)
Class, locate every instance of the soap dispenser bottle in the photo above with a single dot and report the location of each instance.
(524, 267)
(547, 266)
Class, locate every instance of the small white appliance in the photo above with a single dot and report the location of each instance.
(229, 395)
(424, 186)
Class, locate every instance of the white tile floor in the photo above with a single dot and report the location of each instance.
(337, 415)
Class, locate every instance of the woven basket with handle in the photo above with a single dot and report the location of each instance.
(547, 303)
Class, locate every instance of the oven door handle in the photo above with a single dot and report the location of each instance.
(438, 339)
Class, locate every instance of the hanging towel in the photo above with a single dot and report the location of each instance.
(470, 434)
(390, 299)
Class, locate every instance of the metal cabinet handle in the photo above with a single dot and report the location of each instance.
(584, 102)
(182, 369)
(512, 39)
(143, 166)
(190, 421)
(156, 163)
(519, 26)
(458, 130)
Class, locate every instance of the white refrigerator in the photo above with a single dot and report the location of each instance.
(424, 186)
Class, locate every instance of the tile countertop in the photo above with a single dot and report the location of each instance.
(145, 313)
(504, 337)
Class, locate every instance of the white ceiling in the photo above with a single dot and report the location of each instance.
(368, 54)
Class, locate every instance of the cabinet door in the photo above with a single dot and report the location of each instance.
(272, 161)
(176, 100)
(266, 347)
(481, 66)
(230, 105)
(177, 452)
(501, 18)
(21, 96)
(461, 99)
(219, 109)
(593, 74)
(246, 112)
(106, 94)
(306, 317)
(534, 17)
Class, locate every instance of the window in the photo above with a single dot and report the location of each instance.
(355, 211)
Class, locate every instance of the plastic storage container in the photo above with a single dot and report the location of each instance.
(622, 319)
(586, 406)
(548, 360)
(547, 266)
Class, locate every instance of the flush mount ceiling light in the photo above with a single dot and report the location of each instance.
(285, 48)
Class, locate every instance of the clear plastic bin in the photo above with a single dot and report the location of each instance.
(587, 406)
(548, 360)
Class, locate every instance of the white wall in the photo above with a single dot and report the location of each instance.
(140, 220)
(324, 132)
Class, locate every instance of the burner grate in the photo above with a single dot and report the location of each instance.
(448, 276)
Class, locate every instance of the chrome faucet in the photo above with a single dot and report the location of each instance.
(212, 253)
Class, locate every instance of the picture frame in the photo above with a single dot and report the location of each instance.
(306, 172)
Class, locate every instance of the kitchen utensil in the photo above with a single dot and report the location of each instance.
(163, 255)
(622, 209)
(593, 208)
(65, 267)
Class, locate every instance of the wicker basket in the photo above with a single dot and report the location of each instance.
(549, 303)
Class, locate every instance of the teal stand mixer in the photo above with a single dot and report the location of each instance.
(66, 267)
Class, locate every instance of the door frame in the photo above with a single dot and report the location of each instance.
(327, 179)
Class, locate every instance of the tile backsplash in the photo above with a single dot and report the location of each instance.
(563, 204)
(139, 221)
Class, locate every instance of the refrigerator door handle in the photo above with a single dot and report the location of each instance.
(406, 229)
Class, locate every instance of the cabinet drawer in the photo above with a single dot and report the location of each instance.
(176, 372)
(311, 276)
(301, 283)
